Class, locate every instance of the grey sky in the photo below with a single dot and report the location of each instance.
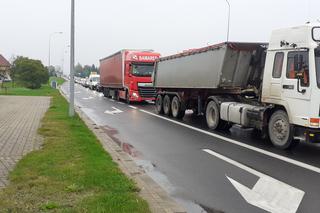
(167, 26)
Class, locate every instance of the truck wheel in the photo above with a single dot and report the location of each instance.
(280, 130)
(166, 105)
(128, 97)
(158, 104)
(106, 93)
(116, 95)
(177, 108)
(213, 115)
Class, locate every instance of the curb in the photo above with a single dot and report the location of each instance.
(157, 198)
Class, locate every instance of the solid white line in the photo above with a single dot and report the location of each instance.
(235, 163)
(133, 107)
(270, 154)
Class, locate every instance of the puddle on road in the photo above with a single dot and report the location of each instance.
(150, 169)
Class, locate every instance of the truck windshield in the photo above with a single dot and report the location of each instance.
(317, 59)
(142, 70)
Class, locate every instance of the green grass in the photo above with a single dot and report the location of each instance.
(71, 173)
(13, 89)
(60, 81)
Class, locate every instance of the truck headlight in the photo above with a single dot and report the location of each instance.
(134, 94)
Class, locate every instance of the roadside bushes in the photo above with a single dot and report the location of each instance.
(29, 73)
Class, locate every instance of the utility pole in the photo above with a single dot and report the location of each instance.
(229, 9)
(71, 101)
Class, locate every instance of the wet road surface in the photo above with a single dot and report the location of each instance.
(232, 171)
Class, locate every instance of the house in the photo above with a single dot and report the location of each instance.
(4, 68)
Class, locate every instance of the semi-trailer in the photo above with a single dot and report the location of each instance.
(127, 75)
(272, 87)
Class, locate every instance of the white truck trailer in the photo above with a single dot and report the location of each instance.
(273, 87)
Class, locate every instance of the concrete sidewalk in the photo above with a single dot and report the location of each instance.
(20, 118)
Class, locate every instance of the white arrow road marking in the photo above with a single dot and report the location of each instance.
(114, 111)
(87, 98)
(268, 193)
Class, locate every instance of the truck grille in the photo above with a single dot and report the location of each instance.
(147, 92)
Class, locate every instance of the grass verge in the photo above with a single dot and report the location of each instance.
(71, 173)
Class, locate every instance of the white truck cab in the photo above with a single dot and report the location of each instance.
(291, 81)
(93, 81)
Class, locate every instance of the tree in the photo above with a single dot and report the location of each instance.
(29, 72)
(52, 71)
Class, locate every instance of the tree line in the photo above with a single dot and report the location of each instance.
(31, 73)
(84, 71)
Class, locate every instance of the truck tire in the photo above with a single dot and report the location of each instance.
(128, 97)
(167, 105)
(116, 95)
(106, 93)
(280, 130)
(213, 116)
(159, 104)
(177, 109)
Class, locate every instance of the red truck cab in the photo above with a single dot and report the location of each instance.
(127, 75)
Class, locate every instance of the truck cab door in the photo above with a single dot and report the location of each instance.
(296, 90)
(296, 82)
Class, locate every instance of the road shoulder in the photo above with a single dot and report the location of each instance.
(158, 198)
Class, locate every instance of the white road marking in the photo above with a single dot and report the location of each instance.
(270, 154)
(268, 193)
(111, 100)
(133, 107)
(114, 111)
(119, 102)
(78, 92)
(88, 98)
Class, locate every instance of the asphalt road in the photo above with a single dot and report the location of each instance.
(232, 171)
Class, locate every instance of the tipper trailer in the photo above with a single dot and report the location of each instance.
(272, 87)
(127, 75)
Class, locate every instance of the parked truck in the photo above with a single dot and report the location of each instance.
(272, 87)
(127, 75)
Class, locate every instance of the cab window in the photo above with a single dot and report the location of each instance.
(277, 65)
(298, 62)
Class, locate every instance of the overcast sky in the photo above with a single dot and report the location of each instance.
(166, 26)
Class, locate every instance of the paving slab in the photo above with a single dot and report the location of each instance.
(20, 118)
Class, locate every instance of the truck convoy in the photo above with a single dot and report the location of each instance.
(127, 75)
(272, 87)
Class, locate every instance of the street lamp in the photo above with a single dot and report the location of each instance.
(229, 8)
(71, 101)
(51, 35)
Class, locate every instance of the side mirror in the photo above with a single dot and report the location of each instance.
(90, 80)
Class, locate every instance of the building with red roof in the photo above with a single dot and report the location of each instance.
(4, 68)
